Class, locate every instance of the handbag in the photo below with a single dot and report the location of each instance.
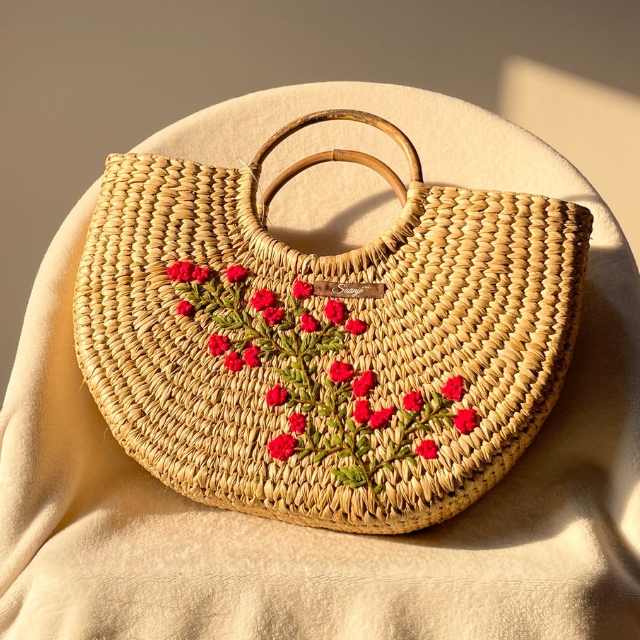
(378, 391)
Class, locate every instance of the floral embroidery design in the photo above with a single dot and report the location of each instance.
(333, 415)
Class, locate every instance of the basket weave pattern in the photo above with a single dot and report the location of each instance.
(482, 284)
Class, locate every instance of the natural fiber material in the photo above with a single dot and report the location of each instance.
(480, 284)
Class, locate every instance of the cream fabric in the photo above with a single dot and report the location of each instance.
(92, 546)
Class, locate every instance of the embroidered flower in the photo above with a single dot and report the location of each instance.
(453, 388)
(308, 323)
(302, 290)
(180, 271)
(263, 299)
(381, 418)
(184, 308)
(362, 412)
(335, 311)
(466, 421)
(413, 401)
(364, 384)
(427, 449)
(201, 274)
(236, 273)
(356, 327)
(252, 357)
(233, 362)
(282, 446)
(273, 316)
(276, 396)
(218, 344)
(341, 371)
(297, 423)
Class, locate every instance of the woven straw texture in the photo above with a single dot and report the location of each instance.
(480, 284)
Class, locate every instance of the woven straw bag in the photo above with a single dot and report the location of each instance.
(378, 391)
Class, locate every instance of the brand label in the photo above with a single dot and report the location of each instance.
(349, 289)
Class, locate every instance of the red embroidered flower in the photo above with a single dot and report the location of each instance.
(218, 344)
(362, 412)
(341, 371)
(184, 308)
(263, 299)
(427, 449)
(180, 271)
(252, 356)
(282, 446)
(201, 274)
(364, 384)
(236, 273)
(302, 290)
(381, 418)
(413, 401)
(453, 388)
(466, 421)
(335, 311)
(308, 323)
(297, 423)
(233, 362)
(273, 316)
(276, 396)
(356, 327)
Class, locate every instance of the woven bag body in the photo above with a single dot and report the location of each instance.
(467, 347)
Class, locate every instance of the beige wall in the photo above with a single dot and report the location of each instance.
(81, 79)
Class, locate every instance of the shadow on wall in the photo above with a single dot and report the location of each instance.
(594, 126)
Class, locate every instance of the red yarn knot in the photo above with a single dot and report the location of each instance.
(335, 311)
(180, 271)
(356, 327)
(453, 388)
(308, 323)
(282, 446)
(236, 273)
(184, 308)
(273, 316)
(233, 361)
(381, 418)
(427, 449)
(364, 384)
(362, 412)
(263, 299)
(302, 290)
(341, 371)
(413, 401)
(218, 344)
(276, 396)
(466, 421)
(297, 423)
(201, 274)
(252, 357)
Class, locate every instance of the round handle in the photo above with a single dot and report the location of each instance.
(337, 155)
(342, 114)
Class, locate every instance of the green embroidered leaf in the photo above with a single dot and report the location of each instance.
(362, 442)
(392, 447)
(320, 456)
(350, 424)
(412, 461)
(351, 476)
(344, 454)
(307, 407)
(194, 287)
(387, 465)
(315, 438)
(378, 488)
(335, 439)
(211, 308)
(349, 439)
(181, 288)
(333, 423)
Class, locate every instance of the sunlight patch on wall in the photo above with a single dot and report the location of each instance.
(594, 126)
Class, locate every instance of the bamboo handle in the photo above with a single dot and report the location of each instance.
(342, 114)
(337, 155)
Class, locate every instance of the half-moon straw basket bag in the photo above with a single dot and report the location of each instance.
(378, 391)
